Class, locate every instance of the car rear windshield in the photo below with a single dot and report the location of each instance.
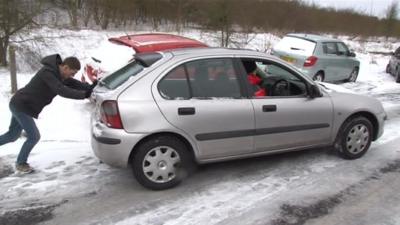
(294, 45)
(120, 76)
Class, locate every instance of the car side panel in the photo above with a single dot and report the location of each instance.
(297, 122)
(220, 127)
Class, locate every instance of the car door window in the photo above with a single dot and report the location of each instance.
(213, 78)
(342, 49)
(329, 48)
(174, 85)
(207, 78)
(271, 79)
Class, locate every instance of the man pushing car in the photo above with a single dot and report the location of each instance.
(54, 78)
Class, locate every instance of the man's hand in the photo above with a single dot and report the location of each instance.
(93, 84)
(88, 93)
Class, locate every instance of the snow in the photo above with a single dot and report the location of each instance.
(66, 163)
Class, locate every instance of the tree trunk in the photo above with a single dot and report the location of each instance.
(3, 51)
(13, 70)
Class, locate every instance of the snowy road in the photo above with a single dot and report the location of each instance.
(283, 189)
(307, 187)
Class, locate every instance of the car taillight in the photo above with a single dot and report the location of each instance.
(310, 61)
(110, 114)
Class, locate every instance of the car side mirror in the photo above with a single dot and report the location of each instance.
(351, 54)
(314, 91)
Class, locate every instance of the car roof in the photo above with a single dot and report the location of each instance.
(148, 58)
(214, 51)
(151, 42)
(312, 37)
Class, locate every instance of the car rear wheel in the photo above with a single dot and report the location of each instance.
(319, 77)
(161, 162)
(353, 75)
(354, 137)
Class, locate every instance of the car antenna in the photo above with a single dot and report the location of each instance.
(129, 38)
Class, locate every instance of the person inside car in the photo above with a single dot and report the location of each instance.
(254, 79)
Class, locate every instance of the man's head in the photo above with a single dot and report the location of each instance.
(249, 66)
(69, 67)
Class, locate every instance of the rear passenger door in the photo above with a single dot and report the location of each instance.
(203, 98)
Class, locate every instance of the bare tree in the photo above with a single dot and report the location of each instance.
(391, 17)
(73, 9)
(103, 12)
(219, 14)
(15, 16)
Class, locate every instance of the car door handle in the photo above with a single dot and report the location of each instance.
(269, 108)
(186, 111)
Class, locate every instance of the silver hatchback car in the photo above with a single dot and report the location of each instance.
(319, 57)
(166, 111)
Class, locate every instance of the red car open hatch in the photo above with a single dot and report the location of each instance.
(156, 42)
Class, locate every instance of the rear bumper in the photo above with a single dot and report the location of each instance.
(113, 146)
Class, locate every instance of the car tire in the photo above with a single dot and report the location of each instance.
(318, 77)
(397, 77)
(353, 75)
(354, 138)
(161, 162)
(388, 68)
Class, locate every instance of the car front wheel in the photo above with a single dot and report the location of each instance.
(354, 138)
(161, 162)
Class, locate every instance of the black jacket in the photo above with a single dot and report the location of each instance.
(44, 86)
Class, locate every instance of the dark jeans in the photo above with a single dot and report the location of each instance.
(21, 121)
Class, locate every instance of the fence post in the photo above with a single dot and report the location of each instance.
(13, 69)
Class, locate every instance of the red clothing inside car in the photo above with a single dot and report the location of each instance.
(256, 80)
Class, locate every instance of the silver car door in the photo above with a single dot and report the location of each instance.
(292, 122)
(330, 61)
(212, 111)
(346, 63)
(286, 117)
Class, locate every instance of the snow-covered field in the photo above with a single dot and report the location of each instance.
(66, 165)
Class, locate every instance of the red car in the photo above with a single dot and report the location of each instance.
(141, 43)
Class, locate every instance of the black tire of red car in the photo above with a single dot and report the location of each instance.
(353, 75)
(397, 77)
(354, 137)
(388, 68)
(161, 162)
(319, 77)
